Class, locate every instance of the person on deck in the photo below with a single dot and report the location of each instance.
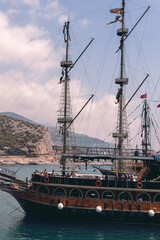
(44, 172)
(72, 173)
(36, 171)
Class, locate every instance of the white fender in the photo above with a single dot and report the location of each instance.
(60, 206)
(151, 213)
(98, 209)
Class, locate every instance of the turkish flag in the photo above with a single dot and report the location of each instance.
(143, 96)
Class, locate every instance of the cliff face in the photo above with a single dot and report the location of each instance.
(18, 137)
(44, 146)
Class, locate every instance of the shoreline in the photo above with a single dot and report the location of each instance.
(23, 160)
(41, 160)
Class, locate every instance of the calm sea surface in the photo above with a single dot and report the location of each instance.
(14, 225)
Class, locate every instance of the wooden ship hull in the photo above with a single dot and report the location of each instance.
(129, 192)
(88, 199)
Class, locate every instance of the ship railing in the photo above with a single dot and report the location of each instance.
(8, 172)
(104, 151)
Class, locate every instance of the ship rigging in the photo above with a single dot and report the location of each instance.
(127, 192)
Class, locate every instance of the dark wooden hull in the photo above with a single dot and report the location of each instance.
(119, 201)
(52, 212)
(84, 210)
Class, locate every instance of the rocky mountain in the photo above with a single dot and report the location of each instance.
(17, 116)
(81, 139)
(19, 137)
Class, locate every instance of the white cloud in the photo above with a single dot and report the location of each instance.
(41, 103)
(96, 119)
(22, 2)
(31, 2)
(21, 45)
(3, 20)
(84, 22)
(31, 100)
(22, 48)
(12, 11)
(56, 11)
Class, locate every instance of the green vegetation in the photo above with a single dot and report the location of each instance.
(15, 151)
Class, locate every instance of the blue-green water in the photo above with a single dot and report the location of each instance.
(15, 226)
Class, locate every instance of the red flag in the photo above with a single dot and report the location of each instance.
(158, 106)
(143, 96)
(158, 151)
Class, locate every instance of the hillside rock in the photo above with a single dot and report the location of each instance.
(18, 137)
(81, 139)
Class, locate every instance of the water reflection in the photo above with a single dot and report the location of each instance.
(35, 229)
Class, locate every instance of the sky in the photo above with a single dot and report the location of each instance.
(32, 46)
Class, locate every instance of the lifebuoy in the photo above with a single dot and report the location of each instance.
(139, 185)
(98, 183)
(46, 179)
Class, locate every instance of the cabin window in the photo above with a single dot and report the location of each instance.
(107, 195)
(76, 193)
(125, 196)
(92, 194)
(59, 192)
(157, 198)
(143, 197)
(42, 190)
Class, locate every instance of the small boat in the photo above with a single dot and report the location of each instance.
(127, 191)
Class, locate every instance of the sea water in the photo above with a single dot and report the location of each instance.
(14, 225)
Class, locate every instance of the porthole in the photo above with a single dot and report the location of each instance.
(125, 196)
(143, 197)
(59, 192)
(76, 193)
(107, 195)
(92, 194)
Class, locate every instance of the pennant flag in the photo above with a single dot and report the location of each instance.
(116, 10)
(116, 20)
(158, 106)
(143, 96)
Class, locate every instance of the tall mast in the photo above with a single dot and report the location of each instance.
(122, 131)
(65, 113)
(146, 133)
(65, 137)
(66, 65)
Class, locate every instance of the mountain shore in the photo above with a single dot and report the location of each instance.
(43, 159)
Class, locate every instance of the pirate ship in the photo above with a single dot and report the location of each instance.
(128, 192)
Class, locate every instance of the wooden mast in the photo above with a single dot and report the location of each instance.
(66, 119)
(121, 134)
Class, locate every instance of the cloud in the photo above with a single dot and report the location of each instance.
(96, 119)
(22, 2)
(20, 46)
(36, 10)
(41, 103)
(28, 61)
(31, 2)
(12, 11)
(32, 100)
(84, 22)
(55, 10)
